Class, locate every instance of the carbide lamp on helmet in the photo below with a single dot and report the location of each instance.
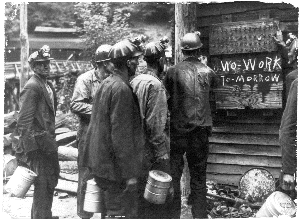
(101, 53)
(125, 49)
(191, 41)
(43, 54)
(156, 49)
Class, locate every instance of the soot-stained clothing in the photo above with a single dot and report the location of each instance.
(115, 141)
(84, 93)
(37, 145)
(152, 97)
(188, 84)
(288, 132)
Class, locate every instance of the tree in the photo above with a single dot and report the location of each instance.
(52, 14)
(185, 17)
(12, 21)
(101, 23)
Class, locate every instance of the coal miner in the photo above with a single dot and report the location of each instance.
(288, 142)
(289, 51)
(37, 147)
(114, 140)
(81, 104)
(152, 97)
(188, 84)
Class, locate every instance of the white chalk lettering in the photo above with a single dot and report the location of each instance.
(267, 78)
(233, 65)
(276, 60)
(246, 64)
(268, 63)
(275, 77)
(223, 80)
(225, 66)
(252, 64)
(240, 79)
(255, 78)
(261, 64)
(249, 78)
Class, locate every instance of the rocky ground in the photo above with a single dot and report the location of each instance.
(63, 206)
(64, 203)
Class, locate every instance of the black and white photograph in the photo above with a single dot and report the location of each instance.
(150, 110)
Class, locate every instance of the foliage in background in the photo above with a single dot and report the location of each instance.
(52, 14)
(101, 23)
(149, 12)
(12, 21)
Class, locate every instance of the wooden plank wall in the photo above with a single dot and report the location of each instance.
(239, 143)
(244, 139)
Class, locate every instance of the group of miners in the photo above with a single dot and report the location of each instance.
(129, 124)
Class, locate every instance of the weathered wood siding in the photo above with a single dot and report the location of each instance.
(246, 138)
(241, 143)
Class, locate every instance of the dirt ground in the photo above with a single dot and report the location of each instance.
(65, 208)
(64, 203)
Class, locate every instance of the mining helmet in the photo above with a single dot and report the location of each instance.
(156, 49)
(125, 49)
(101, 53)
(191, 41)
(43, 54)
(293, 50)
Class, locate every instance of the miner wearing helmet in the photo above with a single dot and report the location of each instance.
(81, 104)
(288, 126)
(289, 51)
(37, 147)
(188, 84)
(152, 99)
(114, 140)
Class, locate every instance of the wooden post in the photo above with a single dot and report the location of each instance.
(185, 21)
(24, 45)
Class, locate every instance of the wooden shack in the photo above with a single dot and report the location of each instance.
(62, 41)
(247, 107)
(66, 47)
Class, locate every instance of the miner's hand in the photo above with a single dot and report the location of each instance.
(131, 185)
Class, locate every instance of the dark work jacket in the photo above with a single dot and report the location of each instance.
(152, 97)
(114, 141)
(36, 121)
(188, 84)
(288, 132)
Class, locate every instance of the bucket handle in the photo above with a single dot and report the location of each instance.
(157, 185)
(87, 191)
(156, 194)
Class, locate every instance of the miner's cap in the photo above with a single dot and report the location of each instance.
(124, 49)
(43, 54)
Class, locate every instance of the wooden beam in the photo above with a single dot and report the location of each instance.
(24, 45)
(245, 149)
(244, 160)
(185, 21)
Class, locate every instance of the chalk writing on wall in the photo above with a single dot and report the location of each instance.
(249, 80)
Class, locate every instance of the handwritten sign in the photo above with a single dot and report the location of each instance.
(249, 80)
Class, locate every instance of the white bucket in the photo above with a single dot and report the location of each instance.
(277, 204)
(20, 182)
(157, 187)
(92, 198)
(10, 164)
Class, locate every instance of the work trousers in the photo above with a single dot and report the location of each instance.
(195, 145)
(46, 166)
(84, 174)
(117, 203)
